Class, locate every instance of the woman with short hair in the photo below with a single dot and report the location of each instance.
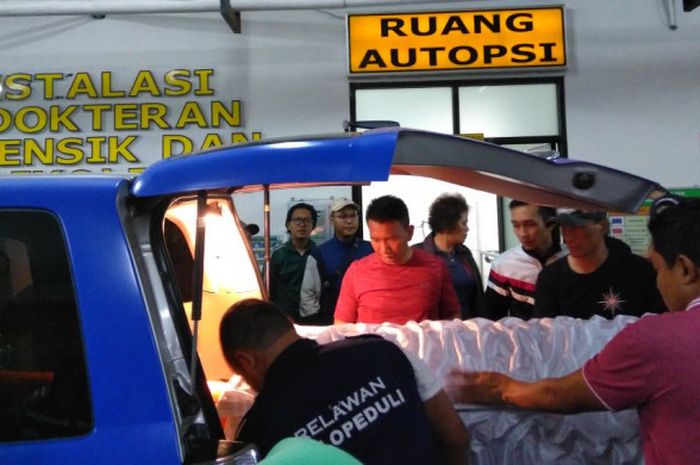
(448, 217)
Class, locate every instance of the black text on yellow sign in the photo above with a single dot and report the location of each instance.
(487, 39)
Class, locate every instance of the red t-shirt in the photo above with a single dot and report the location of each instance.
(375, 292)
(653, 365)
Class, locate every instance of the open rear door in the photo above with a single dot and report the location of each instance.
(372, 155)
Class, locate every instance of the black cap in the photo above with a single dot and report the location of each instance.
(573, 217)
(251, 228)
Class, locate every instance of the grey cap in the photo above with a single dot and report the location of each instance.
(574, 217)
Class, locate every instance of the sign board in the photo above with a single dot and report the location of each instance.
(456, 40)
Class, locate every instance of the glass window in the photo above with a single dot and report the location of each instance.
(509, 110)
(43, 382)
(425, 108)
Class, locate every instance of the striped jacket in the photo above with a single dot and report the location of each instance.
(510, 290)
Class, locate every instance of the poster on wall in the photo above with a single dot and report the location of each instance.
(632, 228)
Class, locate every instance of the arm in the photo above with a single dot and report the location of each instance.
(448, 428)
(310, 293)
(497, 300)
(346, 307)
(477, 304)
(449, 304)
(568, 394)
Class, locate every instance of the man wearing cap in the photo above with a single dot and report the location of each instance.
(600, 276)
(327, 263)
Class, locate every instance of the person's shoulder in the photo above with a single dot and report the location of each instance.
(277, 253)
(421, 256)
(658, 336)
(363, 248)
(558, 255)
(562, 258)
(651, 330)
(317, 253)
(634, 258)
(555, 268)
(281, 247)
(425, 245)
(363, 244)
(363, 339)
(324, 246)
(370, 342)
(507, 256)
(364, 262)
(616, 245)
(423, 259)
(635, 264)
(462, 249)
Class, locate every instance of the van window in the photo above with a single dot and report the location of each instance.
(43, 382)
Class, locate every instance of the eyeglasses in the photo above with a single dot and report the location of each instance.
(665, 202)
(300, 221)
(346, 216)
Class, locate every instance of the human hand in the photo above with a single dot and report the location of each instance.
(476, 387)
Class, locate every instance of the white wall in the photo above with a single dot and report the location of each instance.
(633, 89)
(632, 86)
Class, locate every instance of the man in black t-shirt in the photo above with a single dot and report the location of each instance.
(362, 394)
(600, 276)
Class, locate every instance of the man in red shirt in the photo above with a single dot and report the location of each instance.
(651, 365)
(396, 283)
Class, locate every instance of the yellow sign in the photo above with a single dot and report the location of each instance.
(474, 135)
(60, 122)
(486, 39)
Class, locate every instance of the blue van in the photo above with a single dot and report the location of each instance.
(111, 287)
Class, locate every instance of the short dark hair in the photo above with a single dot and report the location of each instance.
(546, 213)
(445, 211)
(388, 208)
(305, 206)
(675, 231)
(251, 324)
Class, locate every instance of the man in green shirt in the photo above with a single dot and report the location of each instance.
(289, 260)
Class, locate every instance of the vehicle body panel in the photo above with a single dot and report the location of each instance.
(132, 413)
(344, 159)
(372, 155)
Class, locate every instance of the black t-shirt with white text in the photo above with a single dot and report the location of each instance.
(359, 394)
